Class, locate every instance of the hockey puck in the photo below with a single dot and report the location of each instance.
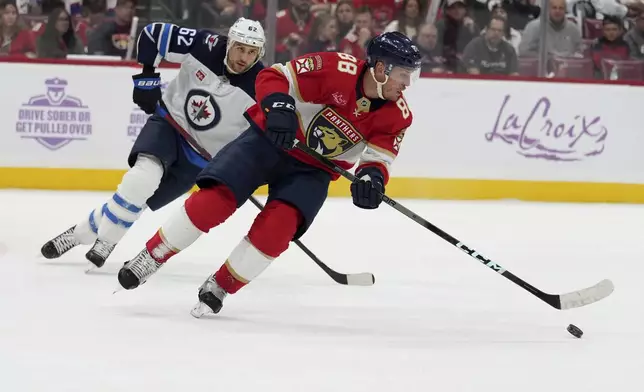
(575, 331)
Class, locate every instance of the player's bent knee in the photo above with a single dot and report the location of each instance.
(274, 228)
(142, 180)
(209, 207)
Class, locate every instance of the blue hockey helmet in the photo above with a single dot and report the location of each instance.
(397, 52)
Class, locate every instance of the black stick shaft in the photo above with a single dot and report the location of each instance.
(337, 276)
(552, 300)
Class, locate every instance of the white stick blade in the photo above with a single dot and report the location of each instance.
(587, 296)
(361, 279)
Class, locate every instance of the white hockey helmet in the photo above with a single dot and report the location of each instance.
(247, 32)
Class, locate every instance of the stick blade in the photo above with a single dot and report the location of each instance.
(587, 296)
(361, 279)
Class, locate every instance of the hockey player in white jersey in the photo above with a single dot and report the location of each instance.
(200, 112)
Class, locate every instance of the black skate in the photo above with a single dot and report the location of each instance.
(60, 245)
(136, 271)
(211, 298)
(99, 252)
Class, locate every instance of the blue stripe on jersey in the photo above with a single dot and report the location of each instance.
(123, 203)
(165, 36)
(192, 155)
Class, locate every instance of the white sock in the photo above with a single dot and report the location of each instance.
(128, 202)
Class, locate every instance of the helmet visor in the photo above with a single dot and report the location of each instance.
(404, 75)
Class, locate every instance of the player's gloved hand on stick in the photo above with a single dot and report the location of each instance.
(147, 89)
(365, 192)
(281, 119)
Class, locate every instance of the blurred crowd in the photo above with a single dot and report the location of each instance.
(601, 39)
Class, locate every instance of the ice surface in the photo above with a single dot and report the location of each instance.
(434, 320)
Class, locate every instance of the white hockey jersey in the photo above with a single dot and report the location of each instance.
(204, 99)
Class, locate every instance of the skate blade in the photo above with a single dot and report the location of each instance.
(200, 310)
(91, 267)
(117, 289)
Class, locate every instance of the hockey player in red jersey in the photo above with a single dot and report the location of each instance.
(346, 109)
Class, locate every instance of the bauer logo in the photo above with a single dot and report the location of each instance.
(542, 131)
(54, 119)
(138, 118)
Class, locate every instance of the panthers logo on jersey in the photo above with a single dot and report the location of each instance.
(201, 110)
(120, 41)
(331, 135)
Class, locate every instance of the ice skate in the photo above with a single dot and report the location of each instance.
(99, 252)
(211, 298)
(136, 271)
(60, 244)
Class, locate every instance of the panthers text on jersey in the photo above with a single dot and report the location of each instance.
(204, 99)
(336, 119)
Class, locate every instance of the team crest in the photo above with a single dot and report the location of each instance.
(330, 135)
(201, 110)
(304, 65)
(398, 140)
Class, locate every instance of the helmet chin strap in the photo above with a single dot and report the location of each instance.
(378, 84)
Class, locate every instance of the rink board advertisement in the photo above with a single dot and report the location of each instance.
(72, 127)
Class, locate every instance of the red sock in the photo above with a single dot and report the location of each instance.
(270, 233)
(227, 281)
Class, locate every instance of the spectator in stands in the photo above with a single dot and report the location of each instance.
(611, 45)
(46, 7)
(355, 42)
(344, 17)
(590, 8)
(293, 26)
(455, 31)
(511, 36)
(490, 54)
(520, 12)
(409, 17)
(58, 40)
(382, 12)
(324, 34)
(16, 39)
(219, 14)
(427, 43)
(635, 37)
(92, 16)
(562, 36)
(111, 38)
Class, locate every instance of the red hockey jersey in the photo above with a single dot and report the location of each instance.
(336, 119)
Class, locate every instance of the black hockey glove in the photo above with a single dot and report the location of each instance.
(147, 90)
(365, 191)
(281, 119)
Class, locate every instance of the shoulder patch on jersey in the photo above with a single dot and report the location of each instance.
(211, 40)
(398, 140)
(281, 13)
(308, 64)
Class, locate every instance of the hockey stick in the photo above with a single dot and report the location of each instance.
(570, 300)
(358, 279)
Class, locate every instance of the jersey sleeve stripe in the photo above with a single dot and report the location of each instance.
(382, 152)
(292, 80)
(164, 42)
